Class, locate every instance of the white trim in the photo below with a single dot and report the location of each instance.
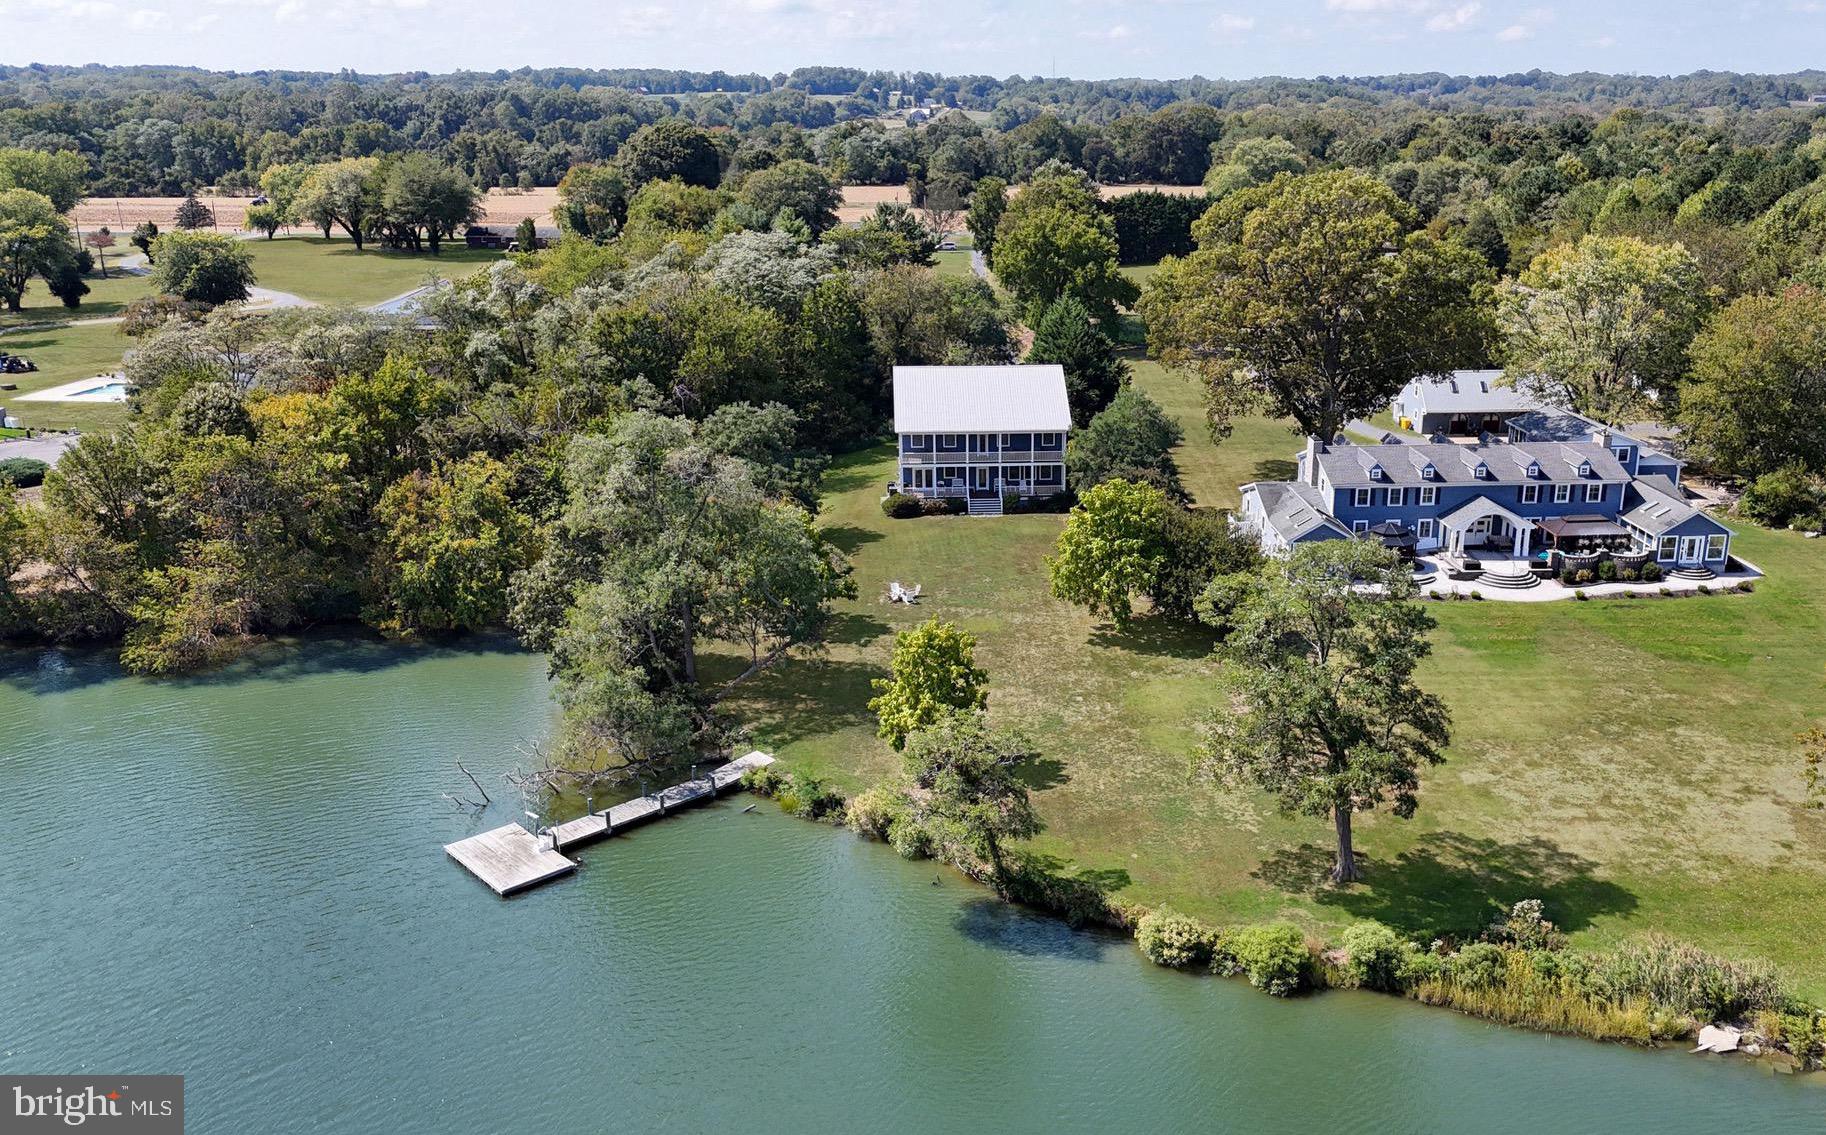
(1361, 499)
(1429, 494)
(1594, 493)
(1359, 526)
(1427, 529)
(1722, 541)
(1393, 497)
(1667, 548)
(1531, 494)
(949, 441)
(1562, 494)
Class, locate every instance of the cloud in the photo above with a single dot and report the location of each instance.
(1454, 19)
(144, 19)
(1115, 34)
(1232, 24)
(1525, 27)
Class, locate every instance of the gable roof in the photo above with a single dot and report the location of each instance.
(1294, 509)
(1504, 463)
(981, 399)
(1465, 392)
(1662, 507)
(1549, 424)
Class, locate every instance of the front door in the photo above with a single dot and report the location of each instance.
(1480, 530)
(1690, 547)
(982, 479)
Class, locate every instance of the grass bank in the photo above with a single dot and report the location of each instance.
(332, 272)
(1632, 764)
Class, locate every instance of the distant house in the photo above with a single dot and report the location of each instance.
(918, 115)
(507, 236)
(978, 432)
(1465, 403)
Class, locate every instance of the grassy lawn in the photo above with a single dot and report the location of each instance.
(1631, 763)
(953, 263)
(1140, 274)
(106, 298)
(64, 354)
(332, 272)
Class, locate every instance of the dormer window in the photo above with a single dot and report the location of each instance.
(1375, 472)
(1534, 468)
(1482, 472)
(1429, 472)
(1584, 468)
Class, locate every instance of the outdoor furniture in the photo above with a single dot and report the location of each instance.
(899, 594)
(1397, 536)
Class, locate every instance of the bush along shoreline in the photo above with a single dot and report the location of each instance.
(1651, 990)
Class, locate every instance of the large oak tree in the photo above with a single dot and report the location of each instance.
(1315, 298)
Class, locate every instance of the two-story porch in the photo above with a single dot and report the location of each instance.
(981, 433)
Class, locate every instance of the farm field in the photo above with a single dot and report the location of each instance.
(332, 272)
(1631, 763)
(500, 207)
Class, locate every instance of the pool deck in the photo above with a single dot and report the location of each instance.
(78, 391)
(511, 859)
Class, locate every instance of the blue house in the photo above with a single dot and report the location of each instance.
(979, 432)
(1503, 504)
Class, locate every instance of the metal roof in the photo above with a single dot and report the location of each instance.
(1465, 392)
(981, 399)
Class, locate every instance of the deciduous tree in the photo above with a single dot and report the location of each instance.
(933, 671)
(1603, 325)
(1320, 653)
(451, 539)
(1112, 549)
(1756, 400)
(964, 786)
(202, 267)
(1132, 439)
(1314, 298)
(1094, 372)
(34, 240)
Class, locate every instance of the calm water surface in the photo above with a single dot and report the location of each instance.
(241, 880)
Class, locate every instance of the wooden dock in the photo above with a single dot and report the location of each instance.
(510, 858)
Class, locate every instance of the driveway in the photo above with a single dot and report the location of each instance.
(46, 449)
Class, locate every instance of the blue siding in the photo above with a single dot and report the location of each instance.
(1453, 497)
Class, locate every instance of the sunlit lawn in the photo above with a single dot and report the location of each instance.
(107, 297)
(64, 354)
(1632, 763)
(332, 272)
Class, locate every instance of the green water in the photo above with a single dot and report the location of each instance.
(241, 880)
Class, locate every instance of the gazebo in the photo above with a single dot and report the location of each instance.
(1396, 535)
(1481, 522)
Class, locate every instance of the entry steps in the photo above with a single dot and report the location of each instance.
(986, 506)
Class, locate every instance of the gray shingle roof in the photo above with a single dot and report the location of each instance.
(1294, 508)
(1662, 507)
(1465, 392)
(1351, 465)
(980, 399)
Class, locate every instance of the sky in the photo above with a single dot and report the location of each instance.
(1081, 38)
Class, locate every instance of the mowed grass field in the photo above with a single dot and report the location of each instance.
(332, 272)
(1631, 763)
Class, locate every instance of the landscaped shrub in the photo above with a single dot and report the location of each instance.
(1607, 570)
(1419, 967)
(1704, 590)
(900, 506)
(1651, 573)
(1812, 522)
(1273, 956)
(23, 472)
(1628, 574)
(1169, 938)
(1476, 594)
(1375, 956)
(1579, 595)
(1663, 591)
(1583, 575)
(944, 506)
(1568, 576)
(1746, 586)
(768, 780)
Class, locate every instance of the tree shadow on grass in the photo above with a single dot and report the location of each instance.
(809, 698)
(1275, 469)
(1160, 635)
(853, 629)
(853, 471)
(850, 537)
(1450, 883)
(1042, 773)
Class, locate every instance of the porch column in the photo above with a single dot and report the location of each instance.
(1521, 541)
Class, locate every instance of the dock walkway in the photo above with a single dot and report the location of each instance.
(510, 858)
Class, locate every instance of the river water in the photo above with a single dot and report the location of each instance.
(240, 879)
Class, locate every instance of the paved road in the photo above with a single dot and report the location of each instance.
(46, 449)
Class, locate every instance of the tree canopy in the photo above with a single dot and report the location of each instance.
(933, 671)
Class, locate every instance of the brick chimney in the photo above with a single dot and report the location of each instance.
(1309, 462)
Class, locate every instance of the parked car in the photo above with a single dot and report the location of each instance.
(948, 246)
(259, 199)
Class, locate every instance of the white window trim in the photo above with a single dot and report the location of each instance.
(1621, 453)
(1562, 494)
(949, 441)
(1531, 494)
(1667, 547)
(1394, 497)
(1426, 529)
(1359, 526)
(1046, 441)
(1361, 498)
(1429, 494)
(1594, 493)
(1721, 541)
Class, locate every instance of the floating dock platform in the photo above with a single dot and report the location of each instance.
(511, 859)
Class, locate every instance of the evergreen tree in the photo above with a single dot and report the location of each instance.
(193, 214)
(1094, 372)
